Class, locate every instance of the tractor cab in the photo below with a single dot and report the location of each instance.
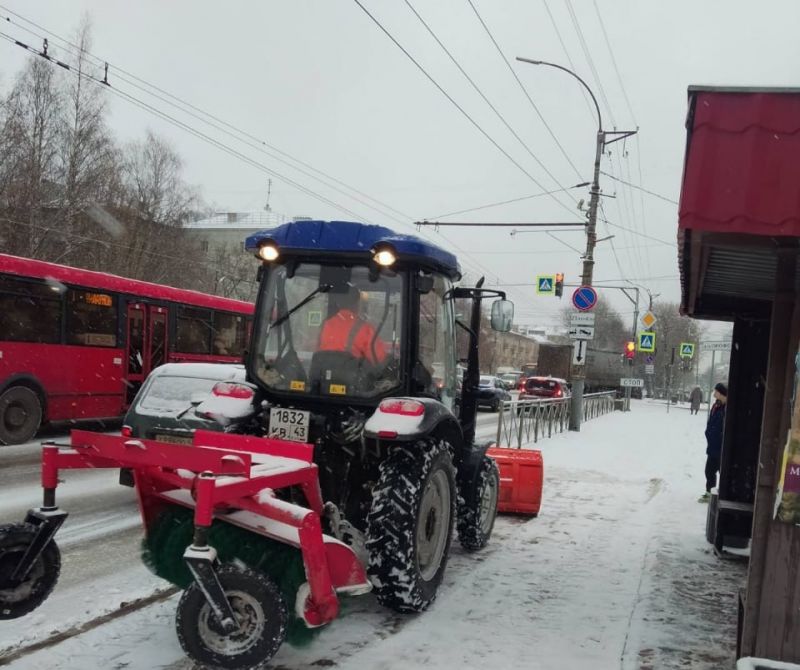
(349, 314)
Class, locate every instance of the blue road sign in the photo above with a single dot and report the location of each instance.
(647, 341)
(650, 360)
(584, 298)
(546, 284)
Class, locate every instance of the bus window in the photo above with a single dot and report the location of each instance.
(193, 333)
(230, 331)
(30, 311)
(91, 318)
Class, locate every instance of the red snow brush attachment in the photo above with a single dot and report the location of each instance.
(521, 475)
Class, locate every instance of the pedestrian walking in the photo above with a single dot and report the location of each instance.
(714, 428)
(695, 398)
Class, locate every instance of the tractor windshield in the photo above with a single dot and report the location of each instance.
(328, 330)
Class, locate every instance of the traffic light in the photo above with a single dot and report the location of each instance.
(630, 350)
(559, 284)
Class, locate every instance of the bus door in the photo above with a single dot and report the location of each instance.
(146, 343)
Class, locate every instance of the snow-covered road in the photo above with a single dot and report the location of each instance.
(614, 573)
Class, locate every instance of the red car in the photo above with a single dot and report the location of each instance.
(544, 387)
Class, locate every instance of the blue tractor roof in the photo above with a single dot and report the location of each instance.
(347, 237)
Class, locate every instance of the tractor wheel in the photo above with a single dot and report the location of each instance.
(477, 508)
(16, 600)
(260, 612)
(20, 415)
(410, 524)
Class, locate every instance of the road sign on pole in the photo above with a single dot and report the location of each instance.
(687, 349)
(648, 320)
(546, 284)
(581, 319)
(631, 382)
(584, 298)
(647, 342)
(649, 369)
(715, 346)
(581, 332)
(579, 352)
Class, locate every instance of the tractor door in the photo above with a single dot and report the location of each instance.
(435, 372)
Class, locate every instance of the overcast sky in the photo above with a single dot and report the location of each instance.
(320, 81)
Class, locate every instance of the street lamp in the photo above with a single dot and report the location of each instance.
(576, 413)
(591, 235)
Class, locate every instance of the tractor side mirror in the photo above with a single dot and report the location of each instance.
(502, 315)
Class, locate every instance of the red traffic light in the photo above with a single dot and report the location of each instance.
(630, 349)
(559, 284)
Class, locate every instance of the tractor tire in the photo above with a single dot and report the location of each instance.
(261, 613)
(20, 599)
(20, 414)
(477, 509)
(410, 524)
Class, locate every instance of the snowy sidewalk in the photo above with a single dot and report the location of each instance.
(614, 573)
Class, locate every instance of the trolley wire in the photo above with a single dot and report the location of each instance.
(522, 87)
(489, 103)
(474, 266)
(464, 113)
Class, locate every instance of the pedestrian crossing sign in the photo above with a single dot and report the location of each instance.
(546, 284)
(647, 342)
(687, 349)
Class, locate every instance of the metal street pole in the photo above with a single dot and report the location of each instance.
(579, 377)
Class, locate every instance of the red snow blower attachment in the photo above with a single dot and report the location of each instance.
(231, 615)
(521, 475)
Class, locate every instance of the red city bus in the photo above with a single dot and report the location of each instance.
(76, 344)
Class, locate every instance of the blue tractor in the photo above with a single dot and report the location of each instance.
(358, 461)
(354, 351)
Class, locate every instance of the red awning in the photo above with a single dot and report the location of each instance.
(742, 172)
(740, 197)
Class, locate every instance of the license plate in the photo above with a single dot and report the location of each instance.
(289, 424)
(174, 439)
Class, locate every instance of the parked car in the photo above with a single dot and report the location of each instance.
(179, 398)
(492, 393)
(544, 387)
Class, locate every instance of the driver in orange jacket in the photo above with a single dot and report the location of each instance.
(346, 331)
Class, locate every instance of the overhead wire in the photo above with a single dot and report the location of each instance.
(586, 99)
(622, 87)
(561, 187)
(522, 87)
(587, 53)
(222, 126)
(475, 266)
(502, 202)
(644, 190)
(452, 100)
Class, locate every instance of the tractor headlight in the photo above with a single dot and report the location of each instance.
(384, 257)
(268, 252)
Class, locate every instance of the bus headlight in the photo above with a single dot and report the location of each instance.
(268, 252)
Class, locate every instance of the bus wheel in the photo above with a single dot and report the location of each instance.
(20, 415)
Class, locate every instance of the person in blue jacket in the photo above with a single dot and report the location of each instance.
(714, 428)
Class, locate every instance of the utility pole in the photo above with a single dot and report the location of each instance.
(601, 141)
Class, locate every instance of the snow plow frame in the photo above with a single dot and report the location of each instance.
(223, 476)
